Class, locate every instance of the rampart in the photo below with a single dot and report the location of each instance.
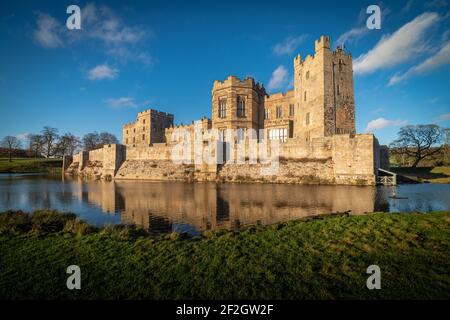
(340, 159)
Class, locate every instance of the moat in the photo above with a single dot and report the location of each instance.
(195, 207)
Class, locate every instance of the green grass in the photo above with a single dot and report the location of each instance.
(426, 174)
(30, 165)
(322, 258)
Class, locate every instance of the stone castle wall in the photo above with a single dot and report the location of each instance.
(339, 159)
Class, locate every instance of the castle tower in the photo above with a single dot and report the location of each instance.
(237, 104)
(148, 128)
(323, 86)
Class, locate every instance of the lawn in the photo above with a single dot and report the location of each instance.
(425, 174)
(30, 165)
(322, 258)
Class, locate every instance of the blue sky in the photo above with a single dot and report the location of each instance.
(133, 55)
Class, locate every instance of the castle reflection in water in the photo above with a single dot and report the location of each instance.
(168, 206)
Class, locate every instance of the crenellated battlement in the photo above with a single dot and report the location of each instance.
(280, 95)
(154, 112)
(205, 122)
(231, 81)
(322, 43)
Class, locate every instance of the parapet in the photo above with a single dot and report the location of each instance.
(297, 59)
(231, 81)
(322, 43)
(155, 112)
(280, 95)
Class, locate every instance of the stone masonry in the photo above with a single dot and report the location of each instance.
(314, 124)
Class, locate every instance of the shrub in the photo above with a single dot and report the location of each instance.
(14, 222)
(78, 227)
(174, 236)
(123, 232)
(50, 220)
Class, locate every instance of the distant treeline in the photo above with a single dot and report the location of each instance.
(50, 144)
(16, 153)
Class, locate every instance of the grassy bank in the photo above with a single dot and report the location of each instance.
(425, 174)
(30, 165)
(322, 258)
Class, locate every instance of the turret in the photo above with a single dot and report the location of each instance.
(322, 43)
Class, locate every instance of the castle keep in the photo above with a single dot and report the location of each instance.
(314, 124)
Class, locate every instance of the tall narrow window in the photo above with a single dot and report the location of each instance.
(338, 89)
(305, 95)
(241, 134)
(307, 75)
(307, 118)
(222, 108)
(222, 134)
(143, 137)
(291, 110)
(279, 112)
(266, 113)
(240, 107)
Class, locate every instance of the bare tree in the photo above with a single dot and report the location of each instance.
(91, 141)
(49, 138)
(94, 140)
(36, 143)
(108, 138)
(419, 142)
(11, 143)
(67, 144)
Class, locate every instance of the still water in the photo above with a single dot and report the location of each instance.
(192, 208)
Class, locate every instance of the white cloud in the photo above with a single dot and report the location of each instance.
(102, 72)
(444, 117)
(432, 100)
(23, 137)
(48, 33)
(377, 110)
(408, 6)
(401, 46)
(352, 35)
(279, 78)
(381, 123)
(288, 45)
(103, 26)
(437, 4)
(441, 58)
(123, 102)
(360, 30)
(101, 23)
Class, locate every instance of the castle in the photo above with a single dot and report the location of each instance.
(314, 124)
